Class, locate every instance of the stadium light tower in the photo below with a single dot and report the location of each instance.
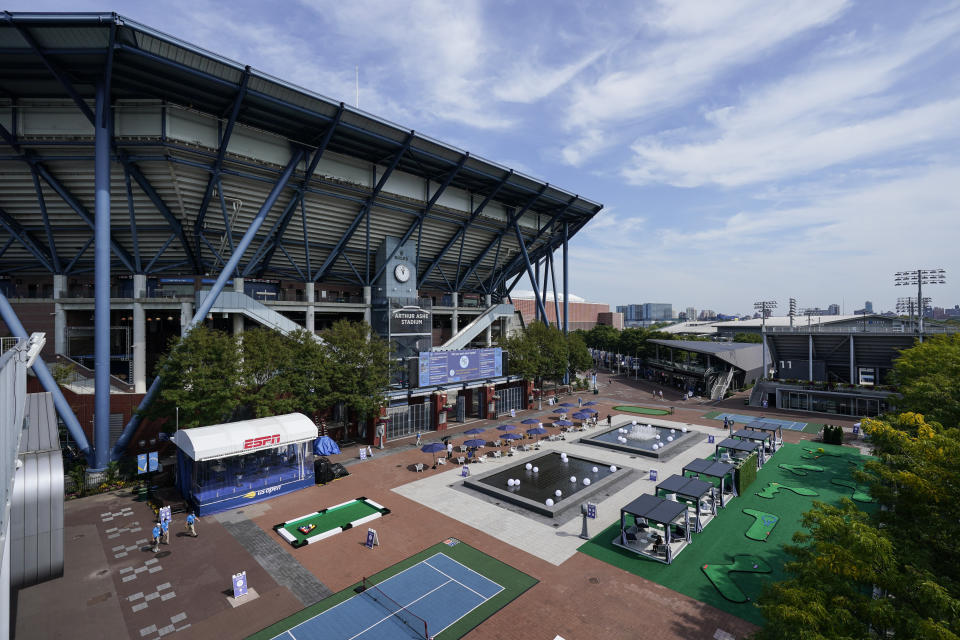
(920, 277)
(763, 306)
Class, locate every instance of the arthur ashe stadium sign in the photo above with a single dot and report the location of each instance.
(410, 321)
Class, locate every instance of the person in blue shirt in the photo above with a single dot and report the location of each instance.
(191, 521)
(165, 528)
(156, 537)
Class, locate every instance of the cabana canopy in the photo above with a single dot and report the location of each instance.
(775, 430)
(745, 447)
(691, 489)
(247, 436)
(655, 509)
(713, 469)
(751, 435)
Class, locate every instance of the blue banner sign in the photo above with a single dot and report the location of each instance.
(154, 460)
(443, 367)
(141, 463)
(240, 584)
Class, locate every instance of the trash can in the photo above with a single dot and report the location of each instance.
(596, 392)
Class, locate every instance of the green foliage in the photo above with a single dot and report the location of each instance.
(540, 352)
(832, 434)
(928, 377)
(63, 373)
(358, 362)
(580, 359)
(748, 337)
(282, 374)
(201, 375)
(78, 476)
(746, 473)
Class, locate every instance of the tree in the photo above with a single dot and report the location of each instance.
(540, 352)
(201, 377)
(580, 359)
(603, 337)
(747, 337)
(283, 373)
(928, 378)
(358, 362)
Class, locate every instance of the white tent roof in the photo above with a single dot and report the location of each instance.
(247, 436)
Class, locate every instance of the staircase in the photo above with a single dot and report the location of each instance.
(480, 323)
(721, 385)
(237, 302)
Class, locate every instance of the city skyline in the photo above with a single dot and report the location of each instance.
(741, 149)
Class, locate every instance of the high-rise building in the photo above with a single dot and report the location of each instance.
(631, 312)
(868, 306)
(691, 313)
(833, 310)
(708, 314)
(657, 311)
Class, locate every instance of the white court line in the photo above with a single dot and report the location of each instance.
(440, 553)
(452, 579)
(395, 612)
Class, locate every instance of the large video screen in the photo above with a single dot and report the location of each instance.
(443, 367)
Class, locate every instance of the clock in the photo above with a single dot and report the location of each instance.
(401, 272)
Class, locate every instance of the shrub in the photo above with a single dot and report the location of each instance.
(746, 473)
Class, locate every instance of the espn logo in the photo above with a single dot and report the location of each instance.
(261, 441)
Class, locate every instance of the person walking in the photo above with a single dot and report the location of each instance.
(156, 537)
(609, 420)
(661, 394)
(449, 450)
(579, 402)
(165, 529)
(191, 525)
(418, 438)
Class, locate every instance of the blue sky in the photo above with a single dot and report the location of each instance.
(744, 150)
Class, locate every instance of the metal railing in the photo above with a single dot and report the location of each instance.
(863, 329)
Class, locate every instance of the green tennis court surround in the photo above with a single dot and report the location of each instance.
(322, 524)
(647, 411)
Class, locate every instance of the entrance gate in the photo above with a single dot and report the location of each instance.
(509, 398)
(406, 420)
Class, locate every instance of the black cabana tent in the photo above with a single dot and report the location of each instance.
(647, 510)
(692, 490)
(714, 469)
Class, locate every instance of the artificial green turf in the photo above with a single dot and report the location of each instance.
(763, 524)
(801, 469)
(331, 518)
(513, 581)
(812, 427)
(712, 414)
(723, 538)
(719, 575)
(858, 494)
(773, 488)
(644, 410)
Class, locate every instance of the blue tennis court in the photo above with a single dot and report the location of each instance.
(423, 599)
(742, 419)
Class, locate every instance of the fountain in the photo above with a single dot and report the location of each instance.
(641, 432)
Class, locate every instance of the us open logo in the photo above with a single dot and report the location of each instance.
(261, 441)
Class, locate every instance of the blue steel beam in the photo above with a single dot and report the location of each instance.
(214, 179)
(6, 245)
(43, 375)
(418, 223)
(533, 283)
(103, 138)
(163, 248)
(9, 138)
(556, 301)
(131, 210)
(83, 250)
(201, 312)
(473, 216)
(514, 218)
(566, 285)
(280, 227)
(162, 207)
(41, 201)
(364, 211)
(35, 247)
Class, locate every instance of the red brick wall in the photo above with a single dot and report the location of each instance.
(583, 315)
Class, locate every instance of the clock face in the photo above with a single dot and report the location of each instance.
(402, 273)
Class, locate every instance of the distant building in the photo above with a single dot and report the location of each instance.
(691, 313)
(833, 310)
(611, 318)
(707, 314)
(631, 312)
(583, 314)
(657, 311)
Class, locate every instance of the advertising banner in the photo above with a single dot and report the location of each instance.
(444, 367)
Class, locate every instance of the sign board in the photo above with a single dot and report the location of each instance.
(443, 367)
(165, 514)
(363, 453)
(141, 463)
(240, 584)
(372, 538)
(153, 461)
(856, 428)
(410, 321)
(591, 510)
(711, 440)
(653, 475)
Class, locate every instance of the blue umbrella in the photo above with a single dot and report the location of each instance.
(560, 411)
(506, 427)
(567, 404)
(530, 421)
(433, 447)
(581, 415)
(588, 411)
(563, 423)
(474, 431)
(476, 442)
(510, 436)
(589, 404)
(536, 431)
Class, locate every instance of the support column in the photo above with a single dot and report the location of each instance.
(139, 334)
(59, 314)
(238, 317)
(851, 362)
(488, 300)
(311, 292)
(186, 315)
(566, 275)
(455, 318)
(810, 357)
(101, 331)
(368, 305)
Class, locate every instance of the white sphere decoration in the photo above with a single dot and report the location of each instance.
(673, 430)
(516, 483)
(655, 447)
(549, 502)
(658, 436)
(573, 478)
(536, 469)
(528, 466)
(613, 468)
(594, 469)
(683, 429)
(558, 493)
(586, 482)
(634, 422)
(510, 482)
(669, 438)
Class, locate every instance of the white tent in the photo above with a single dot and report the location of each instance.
(247, 436)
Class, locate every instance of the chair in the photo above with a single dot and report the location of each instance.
(496, 454)
(513, 450)
(441, 461)
(630, 533)
(418, 467)
(497, 443)
(461, 460)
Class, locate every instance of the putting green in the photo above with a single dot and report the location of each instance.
(858, 495)
(813, 454)
(800, 469)
(773, 488)
(719, 575)
(762, 526)
(644, 410)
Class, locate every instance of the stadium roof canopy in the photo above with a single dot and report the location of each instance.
(198, 143)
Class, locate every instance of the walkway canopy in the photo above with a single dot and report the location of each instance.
(647, 509)
(714, 469)
(247, 436)
(690, 489)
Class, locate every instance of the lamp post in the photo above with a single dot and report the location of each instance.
(763, 306)
(920, 277)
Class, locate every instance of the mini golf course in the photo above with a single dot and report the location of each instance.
(801, 469)
(719, 575)
(813, 454)
(859, 495)
(773, 488)
(322, 524)
(647, 411)
(762, 526)
(723, 540)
